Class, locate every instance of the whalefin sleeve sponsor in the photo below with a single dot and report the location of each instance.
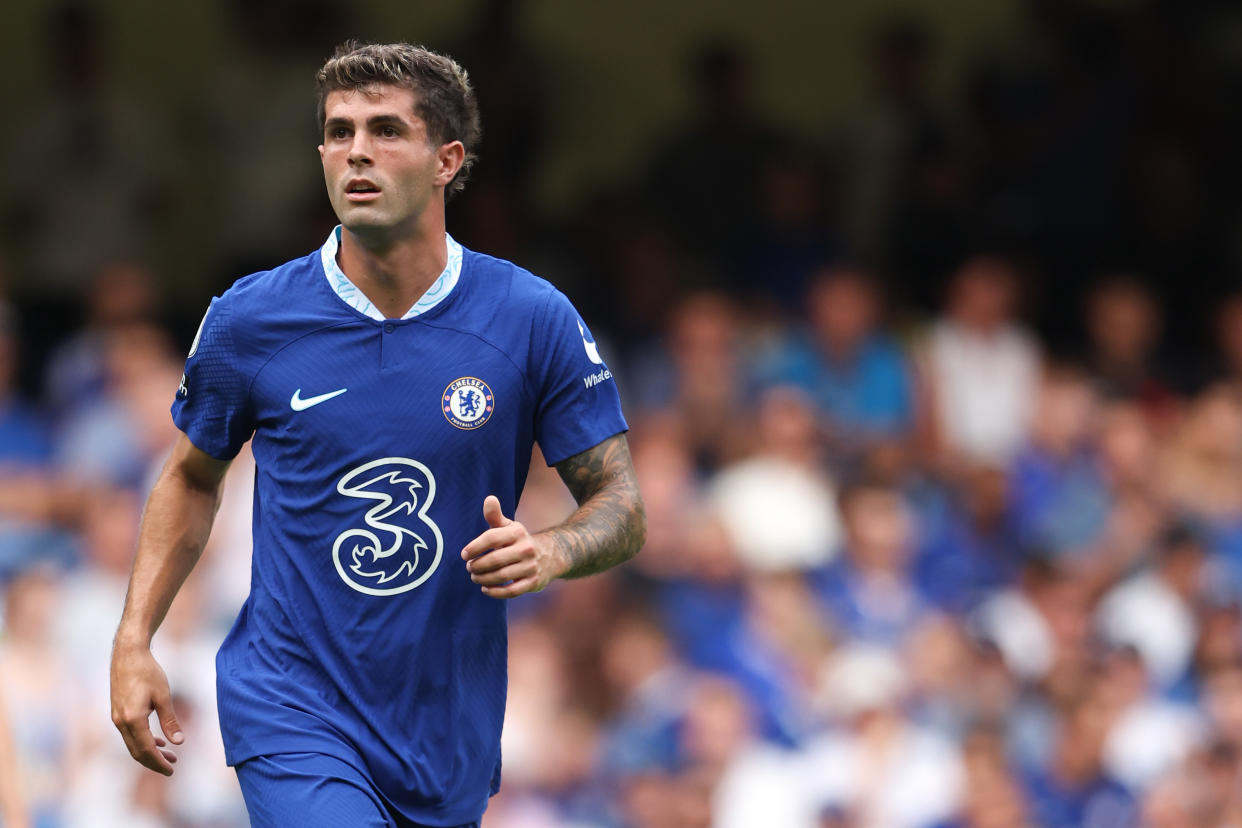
(578, 403)
(211, 404)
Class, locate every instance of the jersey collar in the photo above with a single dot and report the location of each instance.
(350, 295)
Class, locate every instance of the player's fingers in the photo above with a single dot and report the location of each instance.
(518, 587)
(491, 539)
(141, 745)
(168, 717)
(502, 557)
(492, 514)
(514, 572)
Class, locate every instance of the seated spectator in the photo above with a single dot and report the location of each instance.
(42, 693)
(970, 545)
(760, 631)
(1228, 330)
(550, 740)
(698, 380)
(1123, 328)
(1219, 644)
(648, 688)
(119, 438)
(1150, 735)
(993, 797)
(1201, 468)
(855, 373)
(869, 591)
(981, 368)
(791, 235)
(25, 451)
(23, 437)
(713, 161)
(12, 803)
(951, 688)
(1203, 790)
(666, 477)
(1060, 499)
(1073, 790)
(1153, 610)
(877, 767)
(705, 603)
(1222, 700)
(778, 505)
(121, 293)
(1200, 472)
(1040, 620)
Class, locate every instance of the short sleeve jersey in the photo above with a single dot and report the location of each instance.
(376, 441)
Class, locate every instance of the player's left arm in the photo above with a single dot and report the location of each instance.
(608, 528)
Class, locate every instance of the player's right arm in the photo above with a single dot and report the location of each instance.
(175, 526)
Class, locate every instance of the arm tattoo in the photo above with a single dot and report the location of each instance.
(610, 524)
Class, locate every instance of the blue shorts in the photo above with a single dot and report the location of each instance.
(312, 790)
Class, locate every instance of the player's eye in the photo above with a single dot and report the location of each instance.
(388, 132)
(339, 133)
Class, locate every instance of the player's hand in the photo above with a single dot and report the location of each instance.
(138, 687)
(516, 562)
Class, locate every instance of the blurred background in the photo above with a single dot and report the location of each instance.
(927, 319)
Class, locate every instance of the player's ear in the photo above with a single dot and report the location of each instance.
(451, 155)
(321, 152)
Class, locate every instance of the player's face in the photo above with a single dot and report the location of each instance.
(381, 167)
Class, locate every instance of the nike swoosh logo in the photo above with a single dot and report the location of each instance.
(591, 348)
(298, 404)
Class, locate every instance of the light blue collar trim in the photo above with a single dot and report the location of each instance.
(350, 295)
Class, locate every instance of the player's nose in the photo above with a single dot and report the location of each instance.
(359, 152)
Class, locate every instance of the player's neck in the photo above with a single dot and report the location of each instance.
(395, 270)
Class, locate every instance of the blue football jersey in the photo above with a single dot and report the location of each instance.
(375, 443)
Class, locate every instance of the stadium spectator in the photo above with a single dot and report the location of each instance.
(1150, 735)
(885, 138)
(1152, 610)
(777, 505)
(121, 293)
(1073, 790)
(118, 439)
(12, 803)
(1058, 495)
(981, 368)
(876, 766)
(1124, 328)
(1228, 330)
(869, 590)
(25, 454)
(993, 796)
(854, 371)
(87, 165)
(714, 161)
(1200, 471)
(699, 380)
(792, 235)
(970, 544)
(42, 686)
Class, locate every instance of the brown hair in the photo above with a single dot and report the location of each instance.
(445, 100)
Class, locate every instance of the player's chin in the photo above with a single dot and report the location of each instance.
(364, 219)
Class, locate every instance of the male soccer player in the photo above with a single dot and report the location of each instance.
(394, 384)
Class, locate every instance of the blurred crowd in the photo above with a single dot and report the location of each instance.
(938, 420)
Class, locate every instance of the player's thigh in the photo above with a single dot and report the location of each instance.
(309, 790)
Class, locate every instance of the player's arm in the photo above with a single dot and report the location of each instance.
(175, 526)
(608, 528)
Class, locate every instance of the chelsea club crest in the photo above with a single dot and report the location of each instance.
(468, 403)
